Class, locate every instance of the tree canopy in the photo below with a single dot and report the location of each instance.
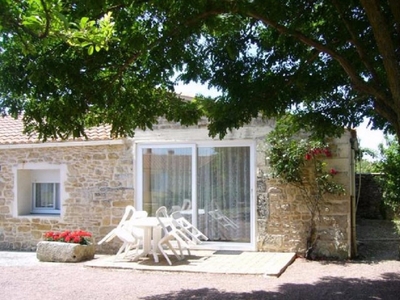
(67, 65)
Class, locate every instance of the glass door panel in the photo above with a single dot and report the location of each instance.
(211, 186)
(167, 177)
(224, 192)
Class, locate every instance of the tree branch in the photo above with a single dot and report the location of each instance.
(358, 83)
(355, 41)
(385, 45)
(395, 8)
(47, 28)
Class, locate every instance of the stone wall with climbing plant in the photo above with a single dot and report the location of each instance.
(283, 217)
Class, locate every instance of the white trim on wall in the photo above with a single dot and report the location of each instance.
(22, 187)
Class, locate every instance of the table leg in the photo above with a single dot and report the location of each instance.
(157, 232)
(146, 243)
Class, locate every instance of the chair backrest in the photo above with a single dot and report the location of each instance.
(222, 219)
(129, 213)
(187, 204)
(171, 229)
(188, 228)
(180, 221)
(175, 208)
(138, 214)
(176, 215)
(162, 213)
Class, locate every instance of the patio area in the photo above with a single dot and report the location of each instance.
(205, 261)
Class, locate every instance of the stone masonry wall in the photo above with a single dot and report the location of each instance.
(100, 183)
(99, 186)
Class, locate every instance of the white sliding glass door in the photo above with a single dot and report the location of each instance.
(212, 186)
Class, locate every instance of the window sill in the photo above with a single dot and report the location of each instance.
(40, 215)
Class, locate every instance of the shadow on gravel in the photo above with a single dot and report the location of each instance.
(327, 288)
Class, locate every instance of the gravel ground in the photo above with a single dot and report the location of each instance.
(302, 280)
(371, 277)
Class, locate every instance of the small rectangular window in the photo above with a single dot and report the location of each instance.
(45, 197)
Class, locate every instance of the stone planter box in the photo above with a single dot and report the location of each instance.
(64, 252)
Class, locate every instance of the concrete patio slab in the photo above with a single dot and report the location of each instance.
(206, 261)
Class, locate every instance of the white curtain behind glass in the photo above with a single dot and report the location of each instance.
(223, 185)
(166, 177)
(44, 195)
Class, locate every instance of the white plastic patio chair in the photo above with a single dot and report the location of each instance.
(222, 220)
(129, 235)
(171, 233)
(195, 234)
(129, 211)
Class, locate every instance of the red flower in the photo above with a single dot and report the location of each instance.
(78, 236)
(308, 156)
(317, 151)
(64, 234)
(327, 152)
(49, 234)
(333, 171)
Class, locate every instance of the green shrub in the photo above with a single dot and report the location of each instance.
(389, 166)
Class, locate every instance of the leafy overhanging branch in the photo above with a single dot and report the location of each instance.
(346, 65)
(307, 52)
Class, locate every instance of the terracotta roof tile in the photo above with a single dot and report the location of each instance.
(11, 133)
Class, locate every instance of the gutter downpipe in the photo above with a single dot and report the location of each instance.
(353, 237)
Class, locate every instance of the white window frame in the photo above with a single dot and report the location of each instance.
(251, 246)
(25, 176)
(55, 208)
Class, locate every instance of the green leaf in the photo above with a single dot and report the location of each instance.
(63, 19)
(83, 22)
(90, 50)
(32, 20)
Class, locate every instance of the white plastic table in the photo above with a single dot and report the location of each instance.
(152, 232)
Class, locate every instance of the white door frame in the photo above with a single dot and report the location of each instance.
(139, 146)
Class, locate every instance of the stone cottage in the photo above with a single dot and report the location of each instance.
(222, 186)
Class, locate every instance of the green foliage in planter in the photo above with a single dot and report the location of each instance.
(299, 159)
